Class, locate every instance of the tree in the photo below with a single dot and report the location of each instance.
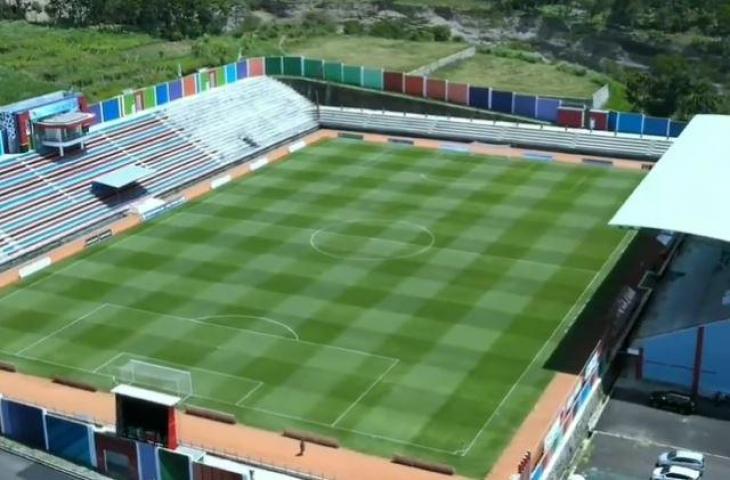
(624, 12)
(702, 98)
(670, 87)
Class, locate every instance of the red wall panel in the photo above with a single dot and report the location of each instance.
(108, 443)
(393, 81)
(189, 86)
(570, 117)
(414, 85)
(255, 67)
(206, 472)
(436, 89)
(457, 93)
(83, 104)
(599, 120)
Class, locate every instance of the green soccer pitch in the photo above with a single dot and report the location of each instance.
(398, 299)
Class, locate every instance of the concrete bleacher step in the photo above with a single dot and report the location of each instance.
(182, 142)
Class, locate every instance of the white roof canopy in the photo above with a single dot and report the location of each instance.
(688, 190)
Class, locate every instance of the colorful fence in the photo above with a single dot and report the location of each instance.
(95, 448)
(544, 109)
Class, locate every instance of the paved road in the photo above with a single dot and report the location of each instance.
(18, 468)
(630, 436)
(629, 416)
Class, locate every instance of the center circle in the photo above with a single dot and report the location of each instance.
(372, 239)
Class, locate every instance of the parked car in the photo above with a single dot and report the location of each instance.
(676, 401)
(675, 473)
(682, 458)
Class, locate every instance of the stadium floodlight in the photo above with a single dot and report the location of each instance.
(158, 377)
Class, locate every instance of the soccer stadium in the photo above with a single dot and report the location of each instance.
(223, 275)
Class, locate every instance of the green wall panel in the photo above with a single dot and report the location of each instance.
(333, 71)
(150, 99)
(352, 75)
(273, 66)
(372, 78)
(220, 75)
(203, 81)
(129, 103)
(293, 66)
(173, 466)
(313, 68)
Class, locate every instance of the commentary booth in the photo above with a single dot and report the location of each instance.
(66, 131)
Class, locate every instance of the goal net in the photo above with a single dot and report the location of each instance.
(157, 377)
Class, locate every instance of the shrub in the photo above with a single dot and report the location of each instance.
(572, 68)
(441, 33)
(353, 27)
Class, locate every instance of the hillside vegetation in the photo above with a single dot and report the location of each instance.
(672, 56)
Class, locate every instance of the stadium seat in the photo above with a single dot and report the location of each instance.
(47, 198)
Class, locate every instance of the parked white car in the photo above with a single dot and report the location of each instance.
(682, 458)
(675, 473)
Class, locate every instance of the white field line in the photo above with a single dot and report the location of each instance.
(342, 429)
(250, 392)
(366, 392)
(55, 364)
(425, 248)
(61, 329)
(20, 286)
(166, 363)
(648, 441)
(256, 409)
(255, 317)
(109, 362)
(256, 332)
(569, 317)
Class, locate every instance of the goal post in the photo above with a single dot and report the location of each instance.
(157, 377)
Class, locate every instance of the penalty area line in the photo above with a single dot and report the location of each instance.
(366, 392)
(59, 330)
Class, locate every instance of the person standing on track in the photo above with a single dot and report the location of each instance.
(302, 447)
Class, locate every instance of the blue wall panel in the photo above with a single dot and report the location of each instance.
(175, 89)
(70, 440)
(111, 109)
(656, 126)
(242, 69)
(547, 109)
(715, 359)
(525, 105)
(479, 97)
(23, 424)
(148, 467)
(162, 93)
(630, 122)
(231, 75)
(675, 128)
(96, 110)
(502, 101)
(670, 358)
(612, 121)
